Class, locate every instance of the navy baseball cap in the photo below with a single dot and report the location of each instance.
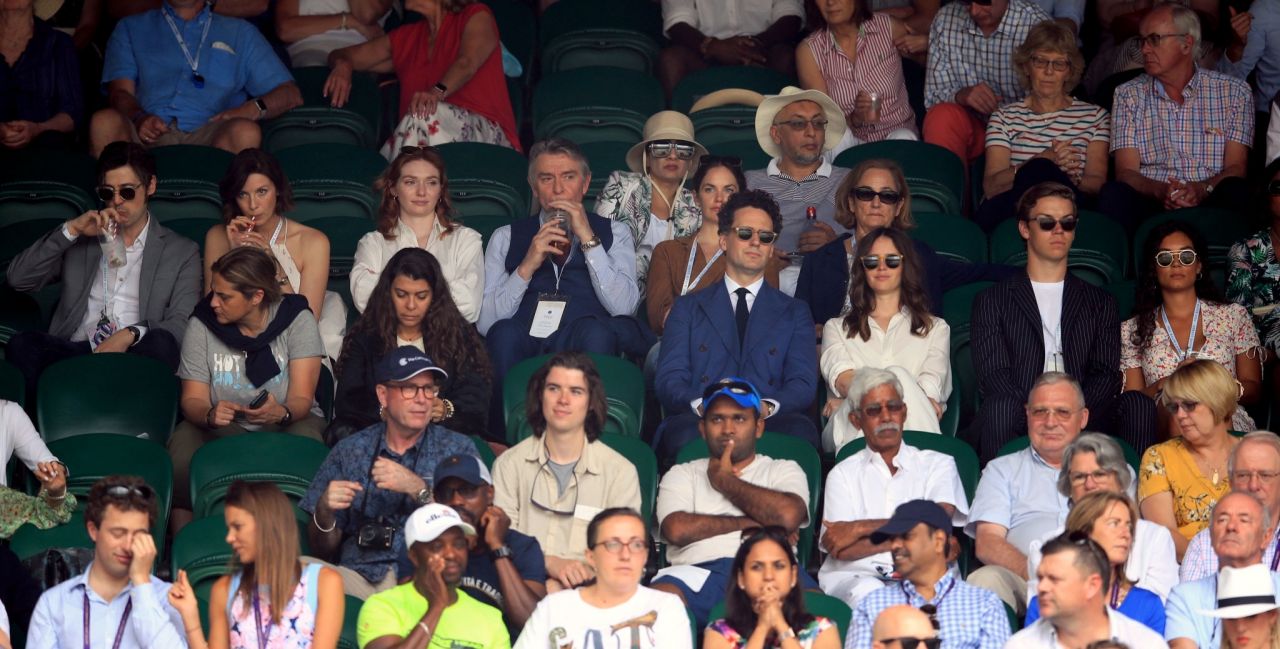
(741, 391)
(467, 468)
(404, 363)
(910, 514)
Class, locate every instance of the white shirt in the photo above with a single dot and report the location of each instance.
(4, 621)
(753, 290)
(860, 487)
(563, 619)
(686, 488)
(1049, 301)
(928, 359)
(1042, 635)
(19, 437)
(461, 257)
(1152, 564)
(727, 18)
(125, 309)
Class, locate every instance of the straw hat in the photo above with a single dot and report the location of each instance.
(728, 97)
(1243, 592)
(769, 108)
(660, 127)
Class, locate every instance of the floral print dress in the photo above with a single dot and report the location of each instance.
(1254, 281)
(297, 623)
(806, 636)
(628, 198)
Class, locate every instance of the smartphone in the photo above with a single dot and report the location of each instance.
(258, 400)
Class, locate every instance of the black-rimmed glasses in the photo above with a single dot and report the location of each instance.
(1048, 223)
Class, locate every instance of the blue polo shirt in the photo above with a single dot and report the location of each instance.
(235, 61)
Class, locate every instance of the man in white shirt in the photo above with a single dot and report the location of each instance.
(1074, 582)
(864, 489)
(704, 505)
(1253, 466)
(705, 33)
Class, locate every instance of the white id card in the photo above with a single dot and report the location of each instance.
(547, 315)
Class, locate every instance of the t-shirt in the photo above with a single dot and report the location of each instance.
(1049, 301)
(481, 577)
(649, 620)
(208, 360)
(1026, 133)
(467, 624)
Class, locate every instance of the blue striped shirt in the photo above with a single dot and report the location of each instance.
(794, 196)
(969, 617)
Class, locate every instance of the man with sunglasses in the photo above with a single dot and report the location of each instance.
(1162, 162)
(741, 327)
(371, 481)
(140, 306)
(904, 627)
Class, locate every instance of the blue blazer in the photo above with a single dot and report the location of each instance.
(700, 346)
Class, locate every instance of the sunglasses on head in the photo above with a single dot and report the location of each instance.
(708, 161)
(124, 491)
(745, 233)
(912, 642)
(409, 150)
(736, 387)
(872, 262)
(1047, 223)
(866, 195)
(666, 149)
(1184, 257)
(107, 193)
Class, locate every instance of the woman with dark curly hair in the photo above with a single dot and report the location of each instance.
(1180, 316)
(411, 305)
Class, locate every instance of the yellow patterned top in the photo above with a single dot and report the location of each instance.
(1169, 466)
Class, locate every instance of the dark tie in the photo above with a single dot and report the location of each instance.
(741, 314)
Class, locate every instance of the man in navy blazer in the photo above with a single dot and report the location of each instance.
(742, 328)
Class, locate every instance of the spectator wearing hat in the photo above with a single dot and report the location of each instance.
(361, 493)
(1247, 607)
(705, 504)
(505, 568)
(919, 536)
(652, 198)
(432, 610)
(706, 33)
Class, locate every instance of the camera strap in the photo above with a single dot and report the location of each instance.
(377, 445)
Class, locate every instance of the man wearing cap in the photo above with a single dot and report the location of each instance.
(704, 505)
(1239, 533)
(739, 327)
(919, 535)
(505, 569)
(431, 611)
(373, 479)
(707, 33)
(1075, 577)
(863, 489)
(897, 626)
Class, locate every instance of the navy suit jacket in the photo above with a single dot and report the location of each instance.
(700, 346)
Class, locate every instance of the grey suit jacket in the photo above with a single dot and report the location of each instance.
(168, 287)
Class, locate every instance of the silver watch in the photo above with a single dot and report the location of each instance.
(424, 496)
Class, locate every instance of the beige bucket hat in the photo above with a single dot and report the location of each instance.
(662, 126)
(769, 108)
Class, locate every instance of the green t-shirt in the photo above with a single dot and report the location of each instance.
(466, 624)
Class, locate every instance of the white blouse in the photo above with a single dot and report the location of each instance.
(19, 437)
(928, 359)
(461, 257)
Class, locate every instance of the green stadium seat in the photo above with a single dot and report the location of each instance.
(623, 383)
(343, 210)
(201, 549)
(41, 164)
(516, 29)
(82, 395)
(951, 236)
(749, 151)
(585, 33)
(486, 179)
(1125, 292)
(964, 455)
(12, 386)
(350, 620)
(605, 158)
(89, 458)
(186, 164)
(957, 306)
(638, 452)
(721, 124)
(28, 541)
(696, 85)
(320, 163)
(18, 312)
(1020, 443)
(189, 209)
(570, 104)
(485, 451)
(817, 604)
(934, 174)
(1221, 229)
(316, 120)
(31, 209)
(487, 224)
(289, 461)
(1099, 253)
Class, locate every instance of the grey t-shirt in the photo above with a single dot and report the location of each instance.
(563, 473)
(209, 360)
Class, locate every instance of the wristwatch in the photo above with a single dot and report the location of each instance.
(137, 334)
(424, 496)
(503, 552)
(262, 107)
(587, 245)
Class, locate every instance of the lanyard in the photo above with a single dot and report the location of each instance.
(263, 631)
(124, 619)
(1173, 340)
(1275, 551)
(1115, 592)
(558, 269)
(196, 78)
(688, 268)
(937, 601)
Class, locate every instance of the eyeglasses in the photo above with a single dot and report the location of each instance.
(107, 193)
(872, 262)
(1262, 476)
(932, 611)
(866, 195)
(410, 391)
(1080, 477)
(1057, 65)
(1185, 257)
(1047, 223)
(912, 642)
(1154, 39)
(1174, 406)
(125, 491)
(614, 546)
(766, 236)
(1043, 412)
(874, 410)
(798, 125)
(665, 149)
(445, 494)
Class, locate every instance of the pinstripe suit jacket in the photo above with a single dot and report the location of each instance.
(1008, 340)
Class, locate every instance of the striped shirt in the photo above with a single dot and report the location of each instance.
(1186, 141)
(969, 617)
(1026, 133)
(960, 55)
(794, 196)
(876, 68)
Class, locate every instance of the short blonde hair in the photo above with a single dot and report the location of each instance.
(1049, 36)
(1204, 381)
(845, 216)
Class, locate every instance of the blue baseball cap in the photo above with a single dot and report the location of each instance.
(910, 514)
(404, 363)
(467, 468)
(741, 391)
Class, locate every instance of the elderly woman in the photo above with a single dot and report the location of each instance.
(450, 70)
(1180, 480)
(1049, 135)
(652, 198)
(41, 84)
(1254, 280)
(855, 62)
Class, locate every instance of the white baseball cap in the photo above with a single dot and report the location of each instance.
(428, 522)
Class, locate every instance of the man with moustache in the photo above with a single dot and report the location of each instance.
(1253, 467)
(704, 505)
(863, 489)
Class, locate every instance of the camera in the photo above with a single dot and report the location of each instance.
(375, 536)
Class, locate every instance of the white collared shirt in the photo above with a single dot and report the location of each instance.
(824, 169)
(125, 308)
(1042, 635)
(927, 358)
(461, 257)
(753, 290)
(728, 18)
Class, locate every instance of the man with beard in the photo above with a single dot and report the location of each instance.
(704, 505)
(863, 489)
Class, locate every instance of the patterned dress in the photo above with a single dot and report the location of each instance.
(17, 508)
(1168, 466)
(806, 636)
(628, 198)
(297, 622)
(1254, 281)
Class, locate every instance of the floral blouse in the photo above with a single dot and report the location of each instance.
(17, 509)
(1168, 466)
(1227, 334)
(1254, 281)
(297, 622)
(628, 198)
(806, 636)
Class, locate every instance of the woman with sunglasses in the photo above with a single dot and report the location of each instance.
(1110, 518)
(652, 198)
(615, 605)
(271, 599)
(1180, 316)
(887, 324)
(1179, 481)
(1254, 279)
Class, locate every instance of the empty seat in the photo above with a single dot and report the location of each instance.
(317, 163)
(583, 33)
(190, 163)
(951, 236)
(486, 179)
(605, 158)
(696, 85)
(30, 209)
(575, 104)
(82, 395)
(289, 461)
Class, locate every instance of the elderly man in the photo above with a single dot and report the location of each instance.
(1182, 134)
(1253, 467)
(1017, 500)
(864, 489)
(899, 626)
(919, 535)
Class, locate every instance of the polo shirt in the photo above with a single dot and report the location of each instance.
(1020, 493)
(466, 624)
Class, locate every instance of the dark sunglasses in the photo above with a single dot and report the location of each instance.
(125, 491)
(1185, 257)
(875, 409)
(1047, 223)
(1174, 406)
(872, 262)
(866, 195)
(107, 193)
(666, 149)
(798, 125)
(467, 491)
(736, 387)
(1273, 188)
(912, 642)
(410, 150)
(932, 611)
(766, 236)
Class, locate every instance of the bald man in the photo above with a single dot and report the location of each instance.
(898, 623)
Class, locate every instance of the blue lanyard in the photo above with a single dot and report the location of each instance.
(264, 632)
(1173, 340)
(124, 619)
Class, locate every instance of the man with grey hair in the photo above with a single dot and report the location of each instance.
(864, 489)
(1162, 161)
(1253, 467)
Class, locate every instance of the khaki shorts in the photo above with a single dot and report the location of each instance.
(203, 136)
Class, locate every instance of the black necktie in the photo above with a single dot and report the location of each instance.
(741, 314)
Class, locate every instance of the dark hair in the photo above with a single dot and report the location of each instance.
(127, 154)
(1029, 198)
(597, 406)
(861, 14)
(141, 498)
(278, 569)
(1148, 298)
(709, 162)
(756, 198)
(249, 269)
(737, 605)
(1091, 559)
(447, 337)
(389, 208)
(245, 164)
(593, 528)
(862, 301)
